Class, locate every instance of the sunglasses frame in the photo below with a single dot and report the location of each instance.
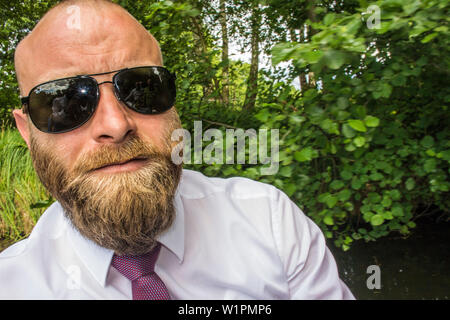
(26, 100)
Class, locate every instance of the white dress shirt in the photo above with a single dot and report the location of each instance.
(231, 239)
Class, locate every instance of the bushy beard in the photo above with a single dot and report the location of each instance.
(124, 211)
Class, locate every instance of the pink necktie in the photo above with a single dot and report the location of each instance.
(145, 283)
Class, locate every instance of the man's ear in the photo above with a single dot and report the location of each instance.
(22, 124)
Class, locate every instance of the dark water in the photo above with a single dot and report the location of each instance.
(414, 268)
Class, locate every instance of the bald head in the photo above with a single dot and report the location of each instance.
(83, 37)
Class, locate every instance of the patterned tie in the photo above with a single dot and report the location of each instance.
(146, 284)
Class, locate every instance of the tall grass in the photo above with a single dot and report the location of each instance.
(22, 196)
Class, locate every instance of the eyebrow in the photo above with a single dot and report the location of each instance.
(58, 76)
(65, 75)
(70, 74)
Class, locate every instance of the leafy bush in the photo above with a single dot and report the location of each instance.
(366, 150)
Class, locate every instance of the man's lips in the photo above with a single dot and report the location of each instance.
(128, 165)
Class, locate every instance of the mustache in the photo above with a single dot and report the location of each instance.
(132, 149)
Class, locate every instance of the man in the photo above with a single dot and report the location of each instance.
(129, 223)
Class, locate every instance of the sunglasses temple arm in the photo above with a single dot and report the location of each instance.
(24, 101)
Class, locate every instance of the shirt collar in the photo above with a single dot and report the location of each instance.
(173, 238)
(98, 259)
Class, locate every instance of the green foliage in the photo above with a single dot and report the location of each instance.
(379, 123)
(18, 18)
(22, 197)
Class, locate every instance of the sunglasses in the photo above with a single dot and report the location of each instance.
(65, 104)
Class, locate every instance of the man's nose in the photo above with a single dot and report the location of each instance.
(112, 121)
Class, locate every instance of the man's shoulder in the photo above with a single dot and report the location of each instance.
(14, 249)
(195, 184)
(21, 263)
(50, 225)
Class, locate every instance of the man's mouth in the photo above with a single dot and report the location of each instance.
(123, 166)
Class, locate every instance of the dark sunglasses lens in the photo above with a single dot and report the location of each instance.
(63, 105)
(147, 90)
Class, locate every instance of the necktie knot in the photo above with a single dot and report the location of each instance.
(134, 267)
(145, 283)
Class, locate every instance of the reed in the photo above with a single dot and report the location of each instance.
(22, 196)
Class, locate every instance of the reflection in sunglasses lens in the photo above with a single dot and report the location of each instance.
(64, 104)
(146, 90)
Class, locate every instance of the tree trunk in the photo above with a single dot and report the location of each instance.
(201, 50)
(252, 81)
(225, 70)
(310, 32)
(302, 76)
